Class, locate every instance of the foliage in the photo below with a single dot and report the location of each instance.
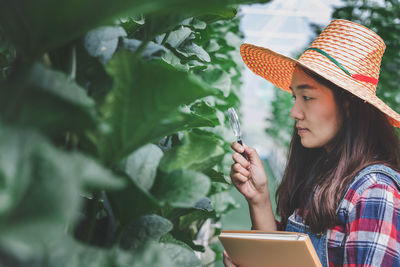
(111, 129)
(280, 124)
(383, 18)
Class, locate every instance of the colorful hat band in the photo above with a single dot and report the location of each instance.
(358, 77)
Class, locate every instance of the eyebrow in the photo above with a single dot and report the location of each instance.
(303, 87)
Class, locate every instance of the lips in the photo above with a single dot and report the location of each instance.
(301, 130)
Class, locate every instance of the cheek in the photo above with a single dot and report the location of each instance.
(331, 121)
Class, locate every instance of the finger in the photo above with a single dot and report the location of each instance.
(252, 154)
(238, 178)
(241, 160)
(227, 260)
(237, 147)
(239, 168)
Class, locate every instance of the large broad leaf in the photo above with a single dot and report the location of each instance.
(200, 150)
(182, 188)
(146, 228)
(161, 23)
(218, 78)
(142, 165)
(191, 49)
(202, 210)
(94, 176)
(103, 41)
(38, 26)
(181, 256)
(223, 202)
(131, 203)
(177, 37)
(204, 110)
(49, 101)
(17, 151)
(48, 196)
(143, 103)
(40, 196)
(150, 50)
(67, 252)
(194, 23)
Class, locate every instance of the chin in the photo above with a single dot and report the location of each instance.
(311, 145)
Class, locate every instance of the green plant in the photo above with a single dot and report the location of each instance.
(112, 130)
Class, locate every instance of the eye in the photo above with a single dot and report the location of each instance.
(306, 98)
(294, 97)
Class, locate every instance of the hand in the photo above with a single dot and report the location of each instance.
(228, 261)
(249, 176)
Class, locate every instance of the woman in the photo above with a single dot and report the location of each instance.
(341, 183)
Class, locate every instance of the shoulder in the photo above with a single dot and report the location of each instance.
(374, 180)
(376, 187)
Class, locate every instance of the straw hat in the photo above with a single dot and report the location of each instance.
(345, 53)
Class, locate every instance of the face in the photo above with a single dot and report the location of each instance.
(315, 111)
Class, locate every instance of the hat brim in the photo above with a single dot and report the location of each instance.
(278, 69)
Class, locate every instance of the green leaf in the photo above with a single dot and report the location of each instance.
(52, 102)
(175, 61)
(204, 110)
(59, 84)
(132, 202)
(201, 211)
(146, 228)
(181, 188)
(90, 74)
(195, 23)
(200, 150)
(217, 176)
(17, 151)
(191, 49)
(168, 238)
(102, 42)
(219, 13)
(153, 255)
(142, 106)
(150, 50)
(48, 197)
(218, 78)
(223, 202)
(68, 252)
(177, 37)
(181, 256)
(186, 220)
(95, 176)
(213, 46)
(204, 204)
(142, 165)
(34, 29)
(160, 23)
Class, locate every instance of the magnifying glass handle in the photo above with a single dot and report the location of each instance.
(243, 153)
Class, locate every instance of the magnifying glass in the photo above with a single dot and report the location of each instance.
(235, 125)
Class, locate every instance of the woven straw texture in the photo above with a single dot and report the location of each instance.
(355, 47)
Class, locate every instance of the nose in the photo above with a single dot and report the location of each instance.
(296, 111)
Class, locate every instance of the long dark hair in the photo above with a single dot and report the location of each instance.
(315, 180)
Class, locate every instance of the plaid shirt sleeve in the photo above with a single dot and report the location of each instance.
(368, 232)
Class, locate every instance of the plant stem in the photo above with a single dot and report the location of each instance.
(73, 62)
(93, 207)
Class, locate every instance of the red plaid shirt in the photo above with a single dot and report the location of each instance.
(368, 229)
